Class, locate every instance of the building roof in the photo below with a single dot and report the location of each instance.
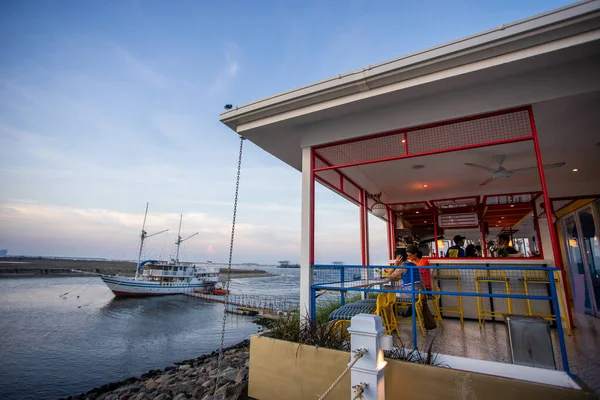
(533, 31)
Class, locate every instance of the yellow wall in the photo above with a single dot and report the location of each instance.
(284, 370)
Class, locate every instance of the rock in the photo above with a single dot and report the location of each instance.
(241, 376)
(152, 384)
(198, 392)
(184, 367)
(163, 396)
(180, 396)
(209, 383)
(228, 374)
(200, 381)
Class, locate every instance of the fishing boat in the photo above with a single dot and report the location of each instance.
(156, 278)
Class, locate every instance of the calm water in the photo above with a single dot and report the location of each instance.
(53, 346)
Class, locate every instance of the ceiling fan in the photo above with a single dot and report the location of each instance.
(503, 173)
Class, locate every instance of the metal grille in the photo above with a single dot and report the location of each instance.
(337, 181)
(497, 128)
(446, 136)
(380, 147)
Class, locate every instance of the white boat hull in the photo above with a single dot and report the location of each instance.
(121, 286)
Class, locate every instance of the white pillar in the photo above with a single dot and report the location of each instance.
(366, 332)
(306, 234)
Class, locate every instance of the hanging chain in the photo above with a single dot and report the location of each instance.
(226, 287)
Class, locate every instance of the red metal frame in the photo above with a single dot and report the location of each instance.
(312, 207)
(391, 233)
(551, 226)
(364, 228)
(405, 131)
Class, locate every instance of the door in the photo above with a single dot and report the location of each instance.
(587, 220)
(571, 245)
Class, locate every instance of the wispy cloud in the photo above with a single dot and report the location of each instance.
(226, 75)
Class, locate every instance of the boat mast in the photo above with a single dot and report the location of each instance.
(179, 240)
(143, 237)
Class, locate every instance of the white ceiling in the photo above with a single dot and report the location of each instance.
(568, 129)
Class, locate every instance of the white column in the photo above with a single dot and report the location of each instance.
(366, 332)
(306, 232)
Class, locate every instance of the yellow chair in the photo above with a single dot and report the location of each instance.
(384, 310)
(418, 310)
(449, 275)
(493, 276)
(541, 278)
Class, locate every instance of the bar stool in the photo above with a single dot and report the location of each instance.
(448, 275)
(491, 276)
(541, 278)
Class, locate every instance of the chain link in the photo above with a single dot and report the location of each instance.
(226, 287)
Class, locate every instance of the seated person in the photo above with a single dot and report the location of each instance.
(470, 251)
(505, 249)
(456, 250)
(478, 251)
(404, 273)
(416, 256)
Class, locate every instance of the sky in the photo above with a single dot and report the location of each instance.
(108, 105)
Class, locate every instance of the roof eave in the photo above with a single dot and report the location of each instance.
(476, 47)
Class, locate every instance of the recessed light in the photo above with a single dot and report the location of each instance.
(502, 217)
(403, 141)
(418, 166)
(575, 170)
(512, 205)
(425, 185)
(497, 225)
(499, 222)
(425, 221)
(417, 212)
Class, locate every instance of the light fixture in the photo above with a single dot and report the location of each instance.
(379, 209)
(425, 185)
(512, 205)
(575, 170)
(440, 244)
(573, 242)
(510, 243)
(502, 217)
(417, 212)
(403, 141)
(425, 221)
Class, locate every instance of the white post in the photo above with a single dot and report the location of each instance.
(366, 332)
(305, 235)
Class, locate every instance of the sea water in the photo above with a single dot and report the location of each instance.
(63, 336)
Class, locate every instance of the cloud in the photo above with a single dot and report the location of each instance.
(225, 76)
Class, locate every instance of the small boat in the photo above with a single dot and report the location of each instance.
(156, 278)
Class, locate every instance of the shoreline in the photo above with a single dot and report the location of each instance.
(37, 268)
(187, 379)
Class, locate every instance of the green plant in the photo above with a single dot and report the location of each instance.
(326, 307)
(321, 334)
(401, 353)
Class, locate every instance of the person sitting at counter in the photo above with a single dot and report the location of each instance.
(404, 273)
(456, 250)
(505, 249)
(470, 251)
(416, 256)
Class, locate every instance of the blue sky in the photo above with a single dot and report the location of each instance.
(105, 105)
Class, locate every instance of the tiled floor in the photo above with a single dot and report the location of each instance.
(490, 343)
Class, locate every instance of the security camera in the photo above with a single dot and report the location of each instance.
(228, 106)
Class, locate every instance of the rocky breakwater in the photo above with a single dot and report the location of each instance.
(191, 379)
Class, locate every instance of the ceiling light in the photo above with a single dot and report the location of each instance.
(417, 212)
(502, 217)
(575, 170)
(512, 205)
(425, 221)
(425, 185)
(497, 225)
(403, 141)
(418, 166)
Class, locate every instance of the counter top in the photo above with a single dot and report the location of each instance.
(490, 261)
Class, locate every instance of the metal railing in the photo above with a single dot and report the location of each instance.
(497, 290)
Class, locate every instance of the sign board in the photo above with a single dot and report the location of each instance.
(461, 220)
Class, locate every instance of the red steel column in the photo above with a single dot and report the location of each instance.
(552, 231)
